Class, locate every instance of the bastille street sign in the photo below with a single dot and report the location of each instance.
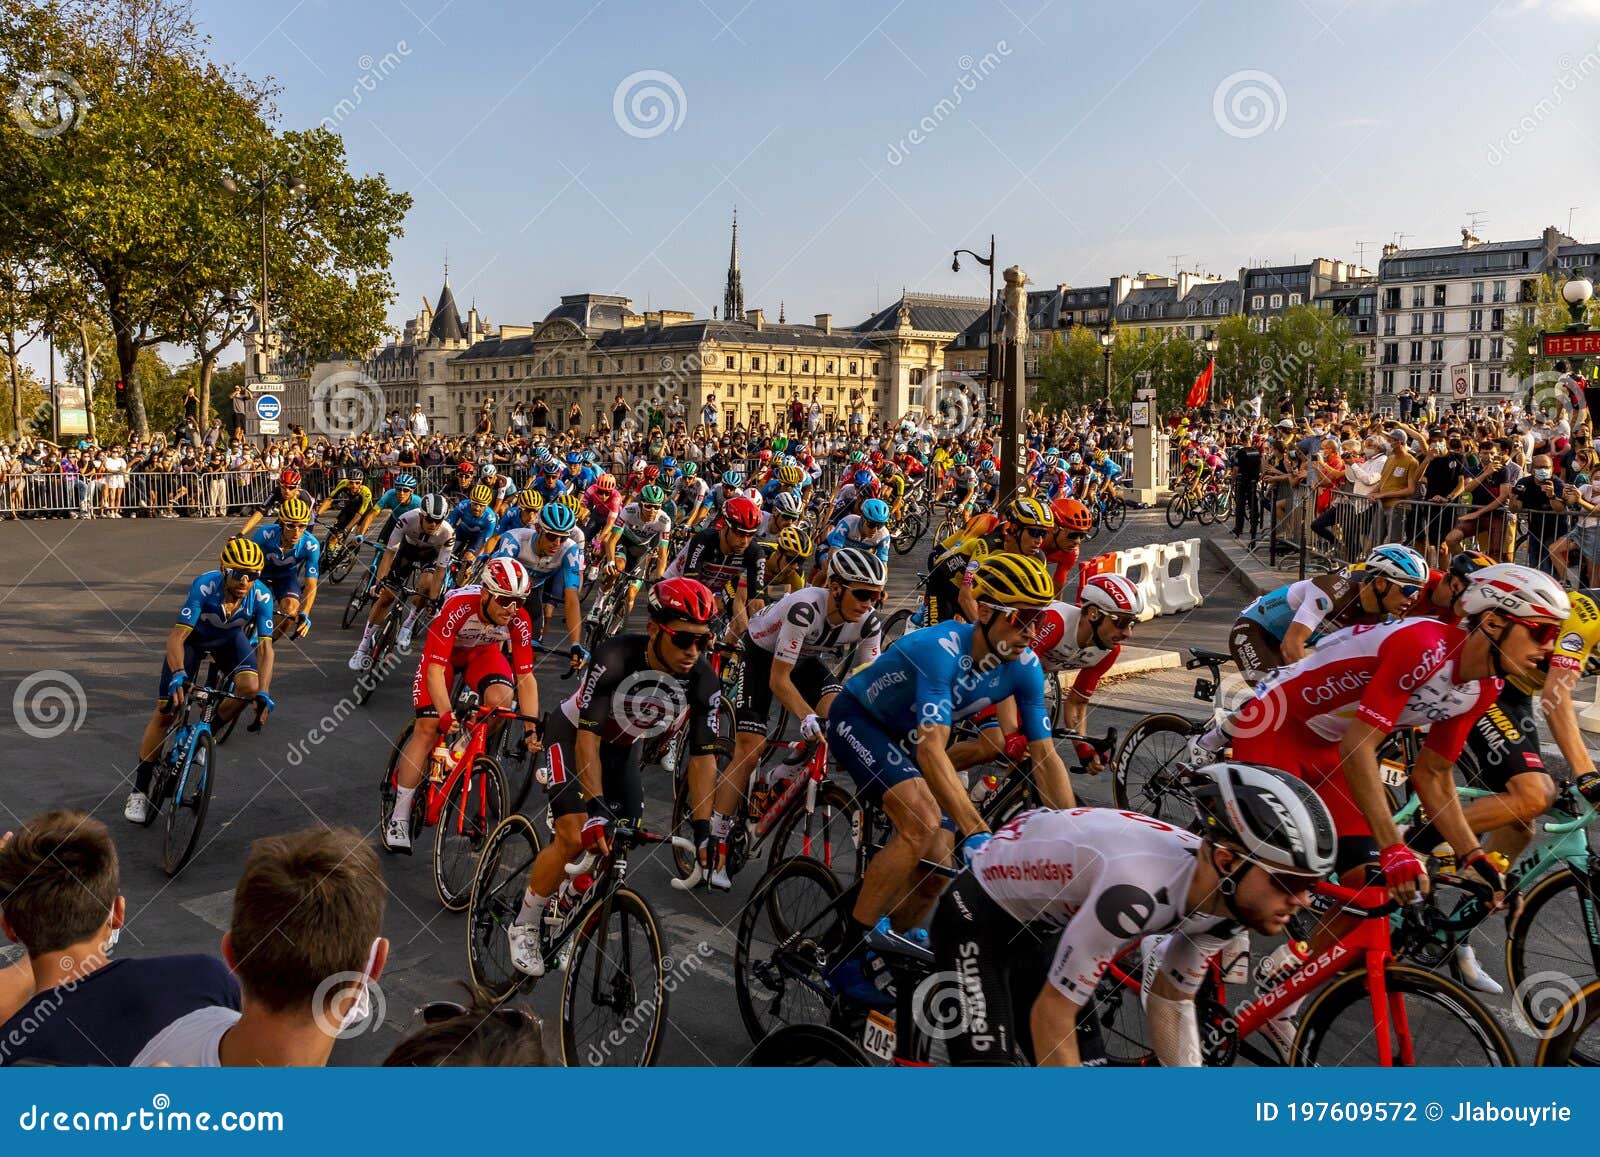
(1568, 345)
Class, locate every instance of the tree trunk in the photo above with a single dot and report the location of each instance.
(127, 356)
(16, 385)
(88, 375)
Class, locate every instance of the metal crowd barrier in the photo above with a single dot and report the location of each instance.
(186, 493)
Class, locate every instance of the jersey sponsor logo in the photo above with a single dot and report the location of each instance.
(802, 614)
(974, 1011)
(883, 682)
(1427, 663)
(1030, 869)
(1125, 910)
(1344, 682)
(1571, 641)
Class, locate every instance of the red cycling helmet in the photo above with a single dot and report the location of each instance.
(742, 514)
(651, 473)
(685, 599)
(467, 468)
(290, 478)
(765, 456)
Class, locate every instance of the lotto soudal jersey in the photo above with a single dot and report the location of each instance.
(1104, 877)
(623, 699)
(1055, 641)
(703, 558)
(796, 627)
(1400, 674)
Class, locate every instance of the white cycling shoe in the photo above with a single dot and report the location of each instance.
(402, 637)
(397, 835)
(361, 660)
(137, 809)
(526, 957)
(1472, 973)
(719, 878)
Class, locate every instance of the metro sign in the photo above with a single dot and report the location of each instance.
(1570, 345)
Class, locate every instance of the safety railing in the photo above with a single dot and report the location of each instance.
(190, 494)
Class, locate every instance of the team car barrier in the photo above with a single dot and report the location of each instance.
(1167, 574)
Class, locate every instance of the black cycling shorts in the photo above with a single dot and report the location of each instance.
(1254, 649)
(621, 777)
(752, 695)
(1503, 743)
(408, 558)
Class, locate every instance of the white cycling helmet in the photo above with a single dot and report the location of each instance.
(851, 564)
(1270, 816)
(435, 506)
(788, 504)
(1113, 594)
(1398, 563)
(1515, 590)
(506, 576)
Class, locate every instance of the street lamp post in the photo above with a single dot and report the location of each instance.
(1576, 293)
(993, 369)
(296, 188)
(1108, 340)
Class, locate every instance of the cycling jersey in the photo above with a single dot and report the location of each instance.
(796, 580)
(512, 520)
(703, 558)
(460, 626)
(1425, 607)
(1055, 641)
(274, 502)
(357, 496)
(852, 530)
(210, 623)
(1107, 469)
(1575, 646)
(409, 538)
(556, 573)
(637, 534)
(601, 506)
(1060, 563)
(796, 627)
(692, 492)
(472, 531)
(391, 502)
(1328, 602)
(623, 699)
(283, 560)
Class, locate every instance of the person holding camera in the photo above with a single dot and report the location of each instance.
(1546, 500)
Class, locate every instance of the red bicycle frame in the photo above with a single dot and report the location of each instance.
(477, 742)
(816, 771)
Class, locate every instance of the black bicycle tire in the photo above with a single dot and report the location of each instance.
(173, 862)
(899, 619)
(1533, 902)
(1116, 514)
(1350, 991)
(1576, 1016)
(1163, 721)
(829, 794)
(1177, 504)
(806, 1046)
(519, 781)
(622, 900)
(455, 899)
(479, 920)
(759, 904)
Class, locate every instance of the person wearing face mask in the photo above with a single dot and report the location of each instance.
(308, 906)
(1546, 501)
(61, 899)
(1443, 479)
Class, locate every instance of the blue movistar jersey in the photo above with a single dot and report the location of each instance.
(283, 560)
(549, 488)
(203, 613)
(1108, 468)
(852, 530)
(928, 678)
(512, 520)
(391, 501)
(582, 479)
(471, 531)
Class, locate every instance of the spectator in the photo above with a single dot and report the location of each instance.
(1399, 484)
(308, 909)
(708, 414)
(1546, 501)
(480, 1034)
(419, 421)
(60, 899)
(240, 399)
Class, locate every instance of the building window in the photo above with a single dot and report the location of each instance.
(1388, 325)
(494, 372)
(1222, 306)
(1438, 321)
(1497, 319)
(1494, 381)
(1205, 306)
(855, 367)
(782, 362)
(727, 362)
(1497, 348)
(1436, 351)
(1474, 348)
(1499, 291)
(1295, 299)
(1391, 298)
(1477, 293)
(1277, 301)
(430, 403)
(430, 371)
(830, 393)
(755, 391)
(1414, 379)
(755, 363)
(1475, 319)
(805, 365)
(1416, 323)
(961, 366)
(1436, 379)
(1257, 302)
(830, 367)
(1419, 297)
(1438, 295)
(877, 369)
(477, 373)
(1416, 352)
(1388, 381)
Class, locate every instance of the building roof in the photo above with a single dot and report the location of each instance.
(933, 312)
(693, 333)
(446, 324)
(593, 310)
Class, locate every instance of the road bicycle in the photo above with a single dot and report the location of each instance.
(464, 795)
(366, 590)
(339, 554)
(386, 652)
(1108, 510)
(607, 944)
(1573, 1038)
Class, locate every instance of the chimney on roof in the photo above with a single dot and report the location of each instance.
(754, 317)
(825, 322)
(1468, 240)
(1390, 249)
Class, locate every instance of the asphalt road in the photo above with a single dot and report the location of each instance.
(87, 607)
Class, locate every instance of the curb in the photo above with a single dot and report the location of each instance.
(1256, 576)
(1137, 660)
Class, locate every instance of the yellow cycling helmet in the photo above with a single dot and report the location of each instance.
(1030, 512)
(571, 501)
(530, 499)
(1013, 581)
(295, 510)
(480, 494)
(790, 475)
(243, 554)
(796, 541)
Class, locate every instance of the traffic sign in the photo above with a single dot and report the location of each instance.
(1568, 345)
(269, 426)
(268, 407)
(264, 387)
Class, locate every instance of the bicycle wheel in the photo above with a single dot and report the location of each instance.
(806, 1046)
(497, 888)
(1549, 956)
(1574, 1035)
(1447, 1025)
(459, 839)
(835, 833)
(1144, 768)
(382, 647)
(614, 999)
(894, 626)
(343, 563)
(781, 947)
(516, 763)
(1116, 513)
(1222, 501)
(191, 797)
(683, 862)
(1205, 511)
(357, 603)
(1114, 1015)
(1178, 511)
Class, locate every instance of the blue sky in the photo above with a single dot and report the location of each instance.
(1093, 139)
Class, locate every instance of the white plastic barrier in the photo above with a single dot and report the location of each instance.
(1141, 566)
(1178, 576)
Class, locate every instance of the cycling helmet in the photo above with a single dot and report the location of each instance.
(557, 519)
(1268, 816)
(1075, 459)
(574, 459)
(435, 507)
(1051, 451)
(466, 468)
(684, 599)
(290, 478)
(551, 467)
(353, 474)
(851, 564)
(1398, 563)
(605, 484)
(764, 456)
(651, 473)
(960, 459)
(861, 477)
(752, 494)
(857, 457)
(1051, 461)
(789, 505)
(989, 466)
(405, 482)
(1030, 512)
(669, 462)
(741, 514)
(295, 510)
(790, 460)
(1070, 514)
(1099, 455)
(1469, 562)
(652, 495)
(690, 469)
(570, 501)
(541, 453)
(480, 494)
(790, 475)
(732, 479)
(1112, 593)
(875, 511)
(1519, 591)
(507, 577)
(590, 456)
(529, 499)
(487, 471)
(243, 554)
(1013, 580)
(796, 541)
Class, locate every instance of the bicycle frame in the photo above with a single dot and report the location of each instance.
(816, 771)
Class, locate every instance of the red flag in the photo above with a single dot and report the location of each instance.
(1202, 386)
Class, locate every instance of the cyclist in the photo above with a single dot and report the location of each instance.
(461, 485)
(604, 502)
(1441, 598)
(473, 522)
(792, 652)
(226, 615)
(553, 558)
(788, 509)
(288, 487)
(787, 559)
(867, 531)
(357, 505)
(727, 559)
(642, 532)
(691, 496)
(549, 486)
(397, 500)
(289, 552)
(961, 486)
(1027, 526)
(1032, 924)
(421, 539)
(468, 637)
(1073, 523)
(1108, 470)
(637, 687)
(1277, 629)
(889, 729)
(524, 514)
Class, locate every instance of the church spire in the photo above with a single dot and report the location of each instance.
(781, 318)
(733, 296)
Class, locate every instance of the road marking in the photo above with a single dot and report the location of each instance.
(687, 932)
(215, 909)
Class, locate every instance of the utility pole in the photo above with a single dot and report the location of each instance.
(1013, 392)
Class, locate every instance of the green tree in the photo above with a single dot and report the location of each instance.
(1071, 372)
(1550, 314)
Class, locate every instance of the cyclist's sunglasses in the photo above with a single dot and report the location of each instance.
(426, 521)
(1543, 633)
(689, 640)
(649, 511)
(1075, 535)
(1408, 590)
(507, 601)
(1035, 531)
(869, 595)
(553, 535)
(1121, 622)
(1022, 618)
(1289, 883)
(239, 574)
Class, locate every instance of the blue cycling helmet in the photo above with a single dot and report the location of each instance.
(669, 462)
(541, 453)
(405, 482)
(551, 467)
(1075, 459)
(557, 519)
(1051, 452)
(574, 458)
(732, 479)
(876, 511)
(590, 456)
(862, 477)
(1397, 563)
